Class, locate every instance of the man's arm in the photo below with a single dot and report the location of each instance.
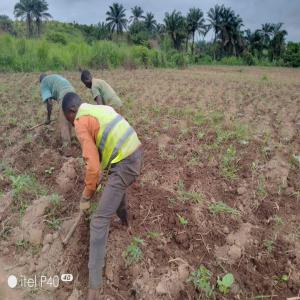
(99, 100)
(49, 110)
(85, 128)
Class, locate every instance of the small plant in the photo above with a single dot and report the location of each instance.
(221, 207)
(261, 190)
(229, 161)
(182, 220)
(278, 220)
(22, 245)
(133, 253)
(50, 171)
(269, 244)
(264, 78)
(225, 283)
(193, 197)
(53, 223)
(153, 234)
(201, 280)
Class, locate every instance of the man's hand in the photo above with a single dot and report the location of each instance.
(84, 203)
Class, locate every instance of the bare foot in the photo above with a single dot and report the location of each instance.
(92, 294)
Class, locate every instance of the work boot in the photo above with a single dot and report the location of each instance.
(123, 215)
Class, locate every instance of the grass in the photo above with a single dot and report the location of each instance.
(201, 280)
(188, 196)
(52, 217)
(229, 163)
(221, 207)
(133, 252)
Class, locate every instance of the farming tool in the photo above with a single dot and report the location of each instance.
(72, 229)
(39, 125)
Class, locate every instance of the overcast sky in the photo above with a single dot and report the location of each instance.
(253, 12)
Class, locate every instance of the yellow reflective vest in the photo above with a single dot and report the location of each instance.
(116, 139)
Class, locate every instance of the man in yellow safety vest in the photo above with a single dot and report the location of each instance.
(108, 142)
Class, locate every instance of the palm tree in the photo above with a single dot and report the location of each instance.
(266, 32)
(25, 10)
(175, 25)
(137, 14)
(277, 44)
(214, 18)
(150, 22)
(116, 18)
(195, 21)
(40, 13)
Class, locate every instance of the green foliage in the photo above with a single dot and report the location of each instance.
(229, 161)
(248, 59)
(292, 55)
(56, 37)
(133, 253)
(221, 207)
(225, 283)
(182, 220)
(201, 280)
(232, 61)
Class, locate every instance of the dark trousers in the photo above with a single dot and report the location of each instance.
(113, 200)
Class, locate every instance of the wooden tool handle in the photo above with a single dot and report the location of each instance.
(71, 231)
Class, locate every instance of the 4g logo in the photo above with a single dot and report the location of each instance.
(66, 277)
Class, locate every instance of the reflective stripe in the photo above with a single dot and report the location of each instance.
(122, 140)
(107, 130)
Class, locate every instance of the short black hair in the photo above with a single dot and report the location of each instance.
(86, 75)
(71, 100)
(42, 76)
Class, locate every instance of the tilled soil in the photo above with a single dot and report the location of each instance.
(210, 136)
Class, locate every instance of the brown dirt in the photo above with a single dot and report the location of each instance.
(183, 156)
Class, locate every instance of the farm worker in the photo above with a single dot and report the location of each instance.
(108, 142)
(55, 87)
(102, 92)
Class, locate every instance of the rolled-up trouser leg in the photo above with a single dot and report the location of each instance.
(65, 127)
(122, 175)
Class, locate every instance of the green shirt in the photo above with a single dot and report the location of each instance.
(55, 87)
(108, 95)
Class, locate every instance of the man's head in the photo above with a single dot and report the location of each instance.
(42, 76)
(70, 105)
(86, 78)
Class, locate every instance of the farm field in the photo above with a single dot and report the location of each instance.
(219, 193)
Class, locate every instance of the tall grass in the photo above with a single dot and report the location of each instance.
(25, 55)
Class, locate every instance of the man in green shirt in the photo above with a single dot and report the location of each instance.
(102, 92)
(55, 87)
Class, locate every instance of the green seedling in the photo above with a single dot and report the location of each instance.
(187, 196)
(133, 253)
(225, 283)
(269, 244)
(201, 280)
(50, 171)
(182, 220)
(261, 190)
(22, 245)
(221, 207)
(229, 163)
(153, 234)
(285, 278)
(53, 223)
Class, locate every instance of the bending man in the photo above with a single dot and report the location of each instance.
(55, 87)
(108, 142)
(102, 92)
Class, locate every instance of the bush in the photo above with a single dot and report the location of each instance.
(248, 59)
(179, 60)
(292, 55)
(231, 61)
(56, 37)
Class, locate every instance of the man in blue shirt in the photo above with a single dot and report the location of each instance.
(55, 87)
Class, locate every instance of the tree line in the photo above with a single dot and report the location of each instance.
(186, 33)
